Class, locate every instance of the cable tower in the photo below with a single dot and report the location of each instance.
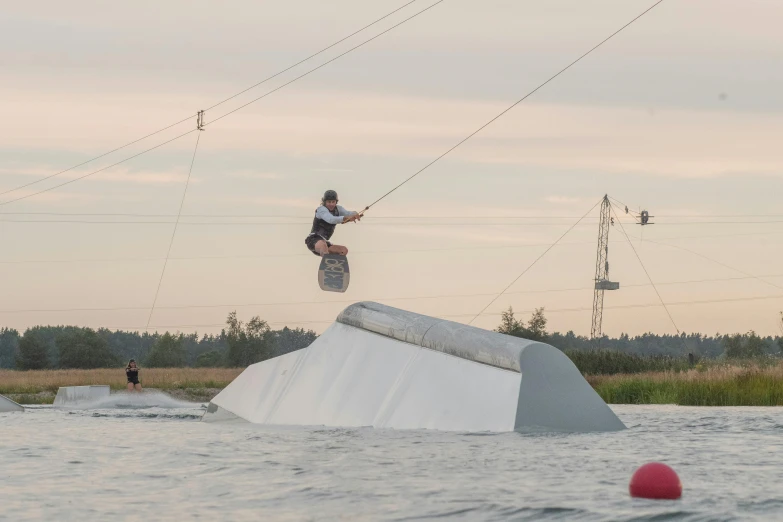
(602, 282)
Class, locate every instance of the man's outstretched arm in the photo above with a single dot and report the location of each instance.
(323, 213)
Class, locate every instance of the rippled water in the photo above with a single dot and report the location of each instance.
(163, 464)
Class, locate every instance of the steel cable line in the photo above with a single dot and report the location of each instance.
(174, 232)
(271, 224)
(654, 305)
(686, 250)
(622, 228)
(232, 111)
(301, 216)
(490, 314)
(20, 187)
(380, 299)
(511, 107)
(313, 55)
(20, 198)
(431, 224)
(720, 222)
(533, 263)
(268, 216)
(326, 63)
(359, 252)
(215, 105)
(629, 209)
(710, 236)
(749, 275)
(362, 252)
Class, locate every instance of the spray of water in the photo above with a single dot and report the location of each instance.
(135, 400)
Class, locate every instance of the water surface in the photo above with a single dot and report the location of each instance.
(123, 461)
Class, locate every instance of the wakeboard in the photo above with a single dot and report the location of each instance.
(334, 273)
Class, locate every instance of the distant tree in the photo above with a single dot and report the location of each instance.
(780, 339)
(9, 347)
(48, 335)
(535, 329)
(129, 345)
(754, 345)
(288, 340)
(746, 346)
(536, 326)
(196, 347)
(212, 359)
(33, 352)
(167, 352)
(247, 344)
(733, 346)
(84, 348)
(509, 324)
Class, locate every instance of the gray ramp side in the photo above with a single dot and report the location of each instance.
(7, 405)
(554, 394)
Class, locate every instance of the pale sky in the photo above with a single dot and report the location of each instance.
(680, 114)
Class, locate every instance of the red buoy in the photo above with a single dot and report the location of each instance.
(655, 480)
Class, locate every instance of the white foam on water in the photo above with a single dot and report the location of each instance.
(135, 400)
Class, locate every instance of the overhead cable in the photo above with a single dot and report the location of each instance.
(496, 314)
(392, 224)
(326, 63)
(213, 106)
(564, 69)
(174, 232)
(271, 224)
(301, 216)
(748, 275)
(228, 113)
(531, 265)
(385, 299)
(622, 228)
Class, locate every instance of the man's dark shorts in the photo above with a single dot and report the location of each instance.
(312, 240)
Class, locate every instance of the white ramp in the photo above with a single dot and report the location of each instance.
(384, 367)
(71, 396)
(7, 405)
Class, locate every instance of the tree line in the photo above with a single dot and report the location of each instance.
(733, 346)
(240, 344)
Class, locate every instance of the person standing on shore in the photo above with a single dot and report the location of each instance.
(132, 372)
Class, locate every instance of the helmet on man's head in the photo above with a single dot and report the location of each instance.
(330, 194)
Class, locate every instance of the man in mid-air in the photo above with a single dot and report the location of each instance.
(327, 217)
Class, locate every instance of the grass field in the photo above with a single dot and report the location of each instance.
(711, 386)
(40, 387)
(714, 384)
(607, 362)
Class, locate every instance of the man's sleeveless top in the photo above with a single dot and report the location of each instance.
(322, 228)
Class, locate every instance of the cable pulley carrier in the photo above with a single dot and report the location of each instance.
(644, 218)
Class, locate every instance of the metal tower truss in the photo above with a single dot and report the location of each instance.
(602, 282)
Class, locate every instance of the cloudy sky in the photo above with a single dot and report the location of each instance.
(680, 114)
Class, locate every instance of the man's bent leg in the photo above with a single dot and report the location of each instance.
(321, 247)
(339, 250)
